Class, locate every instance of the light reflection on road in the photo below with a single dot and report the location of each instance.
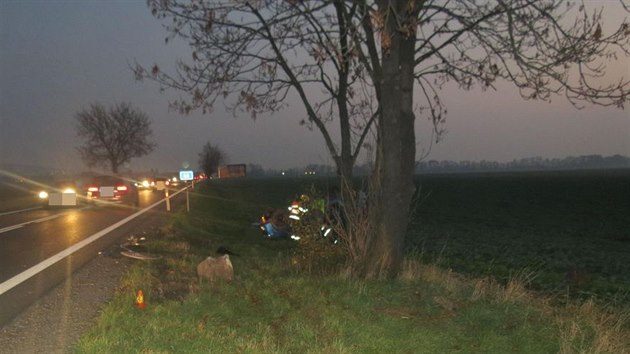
(71, 227)
(145, 197)
(36, 221)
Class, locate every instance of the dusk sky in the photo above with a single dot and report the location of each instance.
(57, 57)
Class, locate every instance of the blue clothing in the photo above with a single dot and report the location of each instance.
(275, 232)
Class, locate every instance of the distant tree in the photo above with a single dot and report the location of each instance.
(255, 170)
(113, 137)
(618, 161)
(210, 158)
(367, 64)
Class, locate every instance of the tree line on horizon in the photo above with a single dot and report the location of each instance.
(529, 163)
(428, 166)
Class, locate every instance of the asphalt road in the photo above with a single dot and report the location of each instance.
(41, 247)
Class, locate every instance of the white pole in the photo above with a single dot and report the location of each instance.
(187, 201)
(168, 200)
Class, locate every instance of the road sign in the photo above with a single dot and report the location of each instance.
(186, 175)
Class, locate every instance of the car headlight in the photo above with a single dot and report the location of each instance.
(69, 191)
(43, 195)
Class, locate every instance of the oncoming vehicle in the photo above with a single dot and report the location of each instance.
(62, 194)
(113, 190)
(145, 183)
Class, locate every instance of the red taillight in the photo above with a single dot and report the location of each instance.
(93, 189)
(121, 188)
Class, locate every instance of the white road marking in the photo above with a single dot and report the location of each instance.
(19, 211)
(9, 228)
(32, 271)
(17, 226)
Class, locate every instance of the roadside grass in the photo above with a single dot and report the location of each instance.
(272, 308)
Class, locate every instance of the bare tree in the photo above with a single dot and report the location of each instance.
(210, 158)
(113, 137)
(379, 64)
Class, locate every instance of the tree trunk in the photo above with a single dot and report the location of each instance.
(395, 160)
(344, 171)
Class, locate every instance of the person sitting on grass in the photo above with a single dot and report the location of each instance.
(276, 227)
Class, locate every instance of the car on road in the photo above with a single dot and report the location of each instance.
(145, 183)
(161, 183)
(60, 194)
(174, 182)
(111, 189)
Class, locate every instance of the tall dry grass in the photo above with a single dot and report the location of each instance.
(583, 327)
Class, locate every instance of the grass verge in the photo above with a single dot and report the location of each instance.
(271, 308)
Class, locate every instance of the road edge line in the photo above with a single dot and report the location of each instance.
(32, 271)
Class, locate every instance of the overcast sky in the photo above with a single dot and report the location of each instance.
(57, 57)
